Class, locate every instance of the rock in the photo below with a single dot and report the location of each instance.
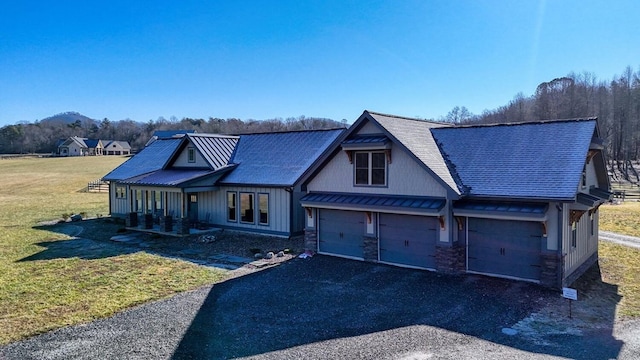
(76, 217)
(207, 238)
(258, 255)
(269, 255)
(280, 254)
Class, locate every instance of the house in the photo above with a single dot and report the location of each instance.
(249, 182)
(517, 201)
(114, 147)
(77, 146)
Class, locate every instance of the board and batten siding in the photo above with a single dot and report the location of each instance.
(279, 208)
(119, 207)
(586, 244)
(183, 158)
(404, 177)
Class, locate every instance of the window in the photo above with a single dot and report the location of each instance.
(584, 177)
(263, 208)
(150, 195)
(574, 230)
(159, 199)
(192, 155)
(246, 208)
(370, 168)
(231, 205)
(592, 223)
(121, 192)
(138, 203)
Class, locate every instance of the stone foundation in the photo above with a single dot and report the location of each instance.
(370, 249)
(148, 221)
(311, 240)
(451, 259)
(551, 270)
(131, 220)
(166, 223)
(182, 226)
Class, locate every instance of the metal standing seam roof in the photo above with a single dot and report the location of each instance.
(390, 202)
(151, 158)
(502, 207)
(541, 160)
(174, 177)
(215, 149)
(416, 136)
(277, 159)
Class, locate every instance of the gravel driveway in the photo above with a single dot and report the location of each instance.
(331, 308)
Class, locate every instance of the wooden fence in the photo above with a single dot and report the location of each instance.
(625, 192)
(98, 186)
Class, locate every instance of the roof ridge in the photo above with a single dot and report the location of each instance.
(292, 131)
(209, 135)
(534, 122)
(408, 118)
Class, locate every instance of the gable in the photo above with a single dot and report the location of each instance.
(404, 174)
(531, 160)
(205, 151)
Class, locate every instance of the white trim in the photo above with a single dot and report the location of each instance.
(390, 211)
(504, 276)
(338, 255)
(498, 217)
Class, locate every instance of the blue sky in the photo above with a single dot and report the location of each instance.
(265, 59)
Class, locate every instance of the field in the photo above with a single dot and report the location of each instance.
(620, 265)
(38, 294)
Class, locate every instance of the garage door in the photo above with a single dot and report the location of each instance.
(506, 248)
(408, 240)
(341, 233)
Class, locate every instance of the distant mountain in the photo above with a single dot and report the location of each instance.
(68, 117)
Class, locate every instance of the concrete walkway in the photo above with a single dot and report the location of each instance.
(625, 240)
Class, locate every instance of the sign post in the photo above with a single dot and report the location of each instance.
(571, 295)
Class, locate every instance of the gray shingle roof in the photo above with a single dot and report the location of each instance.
(532, 160)
(277, 158)
(416, 136)
(151, 158)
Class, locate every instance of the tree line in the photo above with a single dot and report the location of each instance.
(616, 104)
(42, 136)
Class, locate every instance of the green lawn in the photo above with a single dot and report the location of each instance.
(619, 264)
(40, 295)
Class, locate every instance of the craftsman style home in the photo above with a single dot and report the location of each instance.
(517, 201)
(77, 146)
(248, 182)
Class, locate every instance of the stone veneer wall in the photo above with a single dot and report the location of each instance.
(131, 220)
(551, 271)
(451, 259)
(370, 250)
(311, 240)
(182, 226)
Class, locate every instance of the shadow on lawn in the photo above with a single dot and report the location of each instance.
(305, 302)
(86, 249)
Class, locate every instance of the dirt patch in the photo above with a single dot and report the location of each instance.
(595, 311)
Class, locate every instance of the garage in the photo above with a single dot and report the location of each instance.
(341, 233)
(408, 240)
(504, 247)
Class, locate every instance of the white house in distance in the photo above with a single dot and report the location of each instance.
(518, 201)
(77, 146)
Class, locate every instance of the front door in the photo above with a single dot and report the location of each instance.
(192, 211)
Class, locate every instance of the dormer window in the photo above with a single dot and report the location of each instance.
(370, 168)
(191, 155)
